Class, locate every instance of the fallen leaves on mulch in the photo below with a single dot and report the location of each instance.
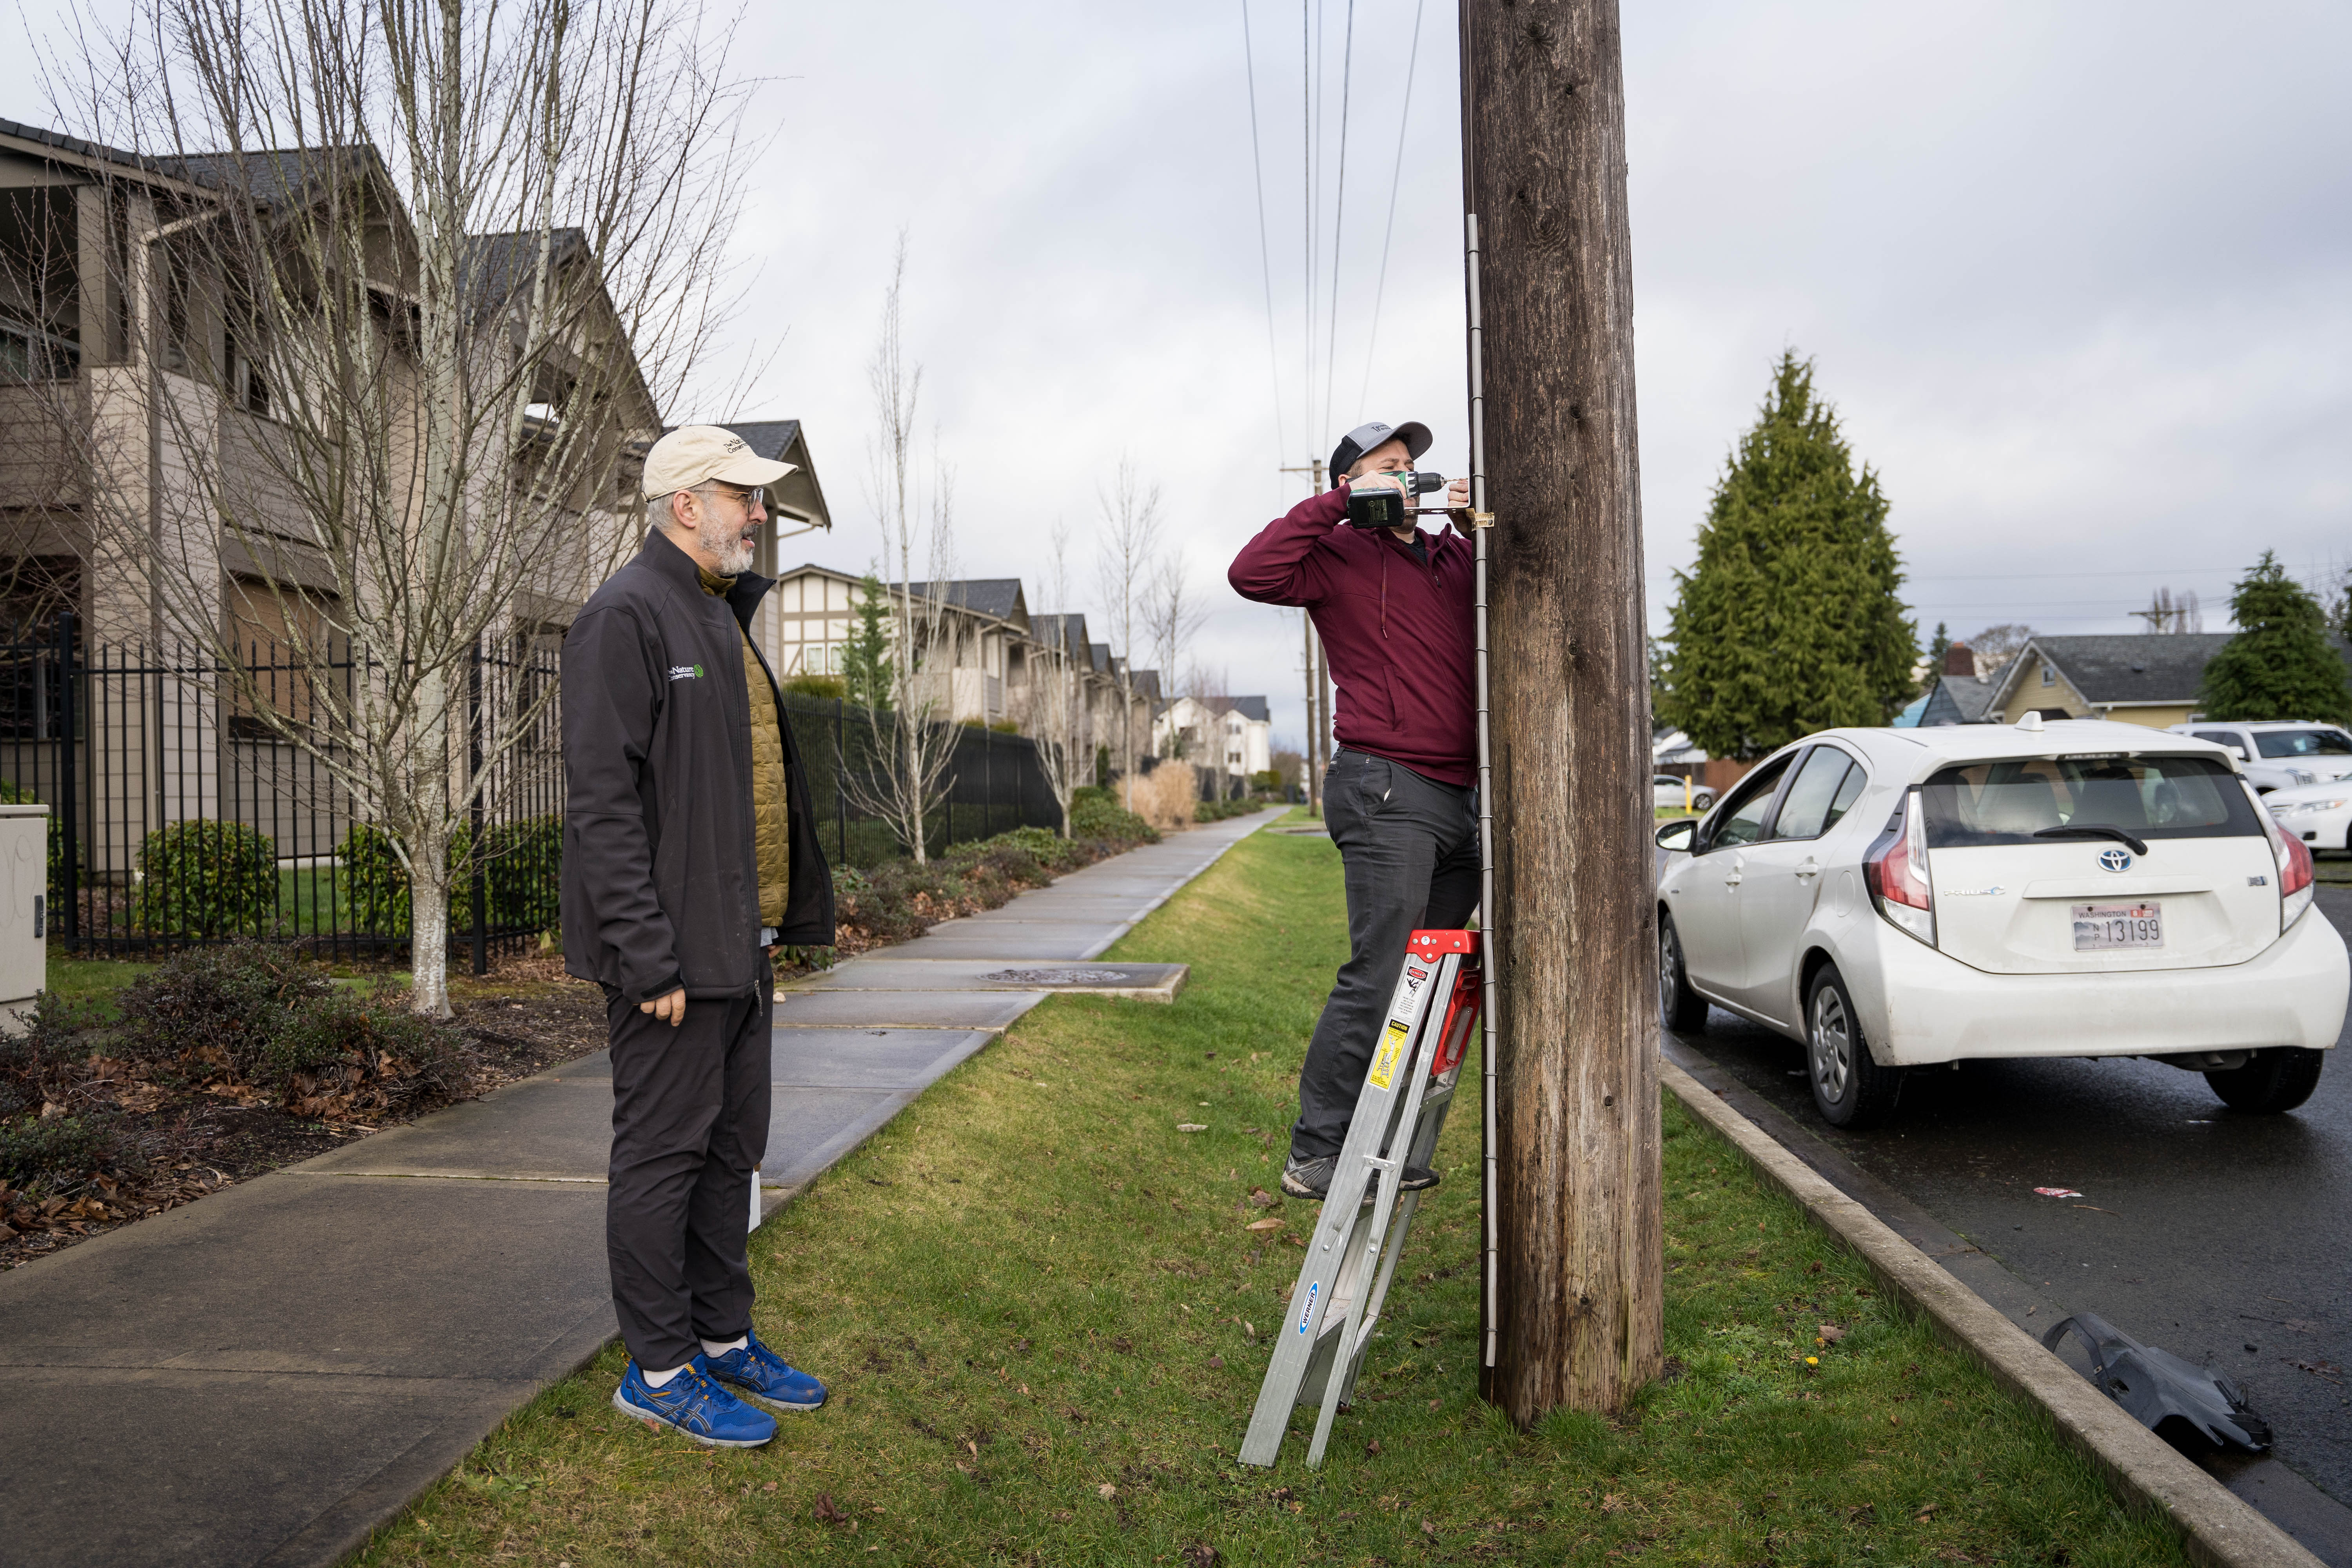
(185, 1141)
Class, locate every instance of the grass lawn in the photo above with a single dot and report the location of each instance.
(1045, 1321)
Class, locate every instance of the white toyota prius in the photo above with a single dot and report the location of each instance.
(1900, 899)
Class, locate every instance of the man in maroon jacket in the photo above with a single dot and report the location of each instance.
(1393, 607)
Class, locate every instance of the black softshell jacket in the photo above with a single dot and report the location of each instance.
(661, 878)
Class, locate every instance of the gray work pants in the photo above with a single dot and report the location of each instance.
(1408, 850)
(689, 1126)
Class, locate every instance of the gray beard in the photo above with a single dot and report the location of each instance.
(724, 543)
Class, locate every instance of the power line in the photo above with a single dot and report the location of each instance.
(2028, 577)
(1308, 66)
(1265, 254)
(1396, 176)
(1338, 215)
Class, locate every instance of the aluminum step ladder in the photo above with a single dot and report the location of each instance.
(1320, 1344)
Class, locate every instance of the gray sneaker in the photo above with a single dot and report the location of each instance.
(1311, 1179)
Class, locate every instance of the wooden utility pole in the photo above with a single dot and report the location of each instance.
(1319, 685)
(1313, 763)
(1578, 1267)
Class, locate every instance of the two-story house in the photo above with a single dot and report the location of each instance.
(1231, 736)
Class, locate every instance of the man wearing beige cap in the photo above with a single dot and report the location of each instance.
(689, 851)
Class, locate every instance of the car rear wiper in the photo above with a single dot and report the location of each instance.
(2090, 830)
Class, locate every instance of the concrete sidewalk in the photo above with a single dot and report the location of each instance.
(262, 1378)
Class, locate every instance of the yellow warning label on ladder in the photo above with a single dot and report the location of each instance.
(1384, 1060)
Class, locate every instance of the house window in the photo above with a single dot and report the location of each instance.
(2048, 675)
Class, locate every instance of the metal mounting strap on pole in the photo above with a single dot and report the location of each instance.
(1482, 521)
(1329, 1321)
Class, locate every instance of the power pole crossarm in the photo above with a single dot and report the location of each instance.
(1579, 1270)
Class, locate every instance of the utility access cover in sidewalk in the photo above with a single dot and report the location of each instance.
(887, 971)
(1147, 982)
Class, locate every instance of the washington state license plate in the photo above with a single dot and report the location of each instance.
(2098, 927)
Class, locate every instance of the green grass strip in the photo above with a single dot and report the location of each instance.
(1045, 1321)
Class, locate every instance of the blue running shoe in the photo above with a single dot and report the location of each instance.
(761, 1374)
(694, 1407)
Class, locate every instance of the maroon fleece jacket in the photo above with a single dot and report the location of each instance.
(1398, 632)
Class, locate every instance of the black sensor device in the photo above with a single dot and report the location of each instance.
(1380, 506)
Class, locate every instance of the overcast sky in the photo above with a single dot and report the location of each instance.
(2078, 278)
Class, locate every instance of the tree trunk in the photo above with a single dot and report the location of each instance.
(1578, 1298)
(427, 788)
(917, 798)
(428, 933)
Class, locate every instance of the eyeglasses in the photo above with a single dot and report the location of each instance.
(746, 499)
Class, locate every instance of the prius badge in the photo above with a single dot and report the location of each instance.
(2115, 859)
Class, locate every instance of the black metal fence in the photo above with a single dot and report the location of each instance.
(992, 784)
(181, 813)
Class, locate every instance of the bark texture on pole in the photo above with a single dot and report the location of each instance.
(1577, 1298)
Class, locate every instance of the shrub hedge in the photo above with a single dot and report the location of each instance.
(522, 876)
(350, 1041)
(31, 1149)
(1095, 814)
(200, 878)
(898, 900)
(221, 1005)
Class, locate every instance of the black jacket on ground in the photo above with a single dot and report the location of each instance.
(661, 878)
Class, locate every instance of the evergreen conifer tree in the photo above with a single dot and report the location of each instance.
(1939, 648)
(2280, 664)
(866, 657)
(1789, 622)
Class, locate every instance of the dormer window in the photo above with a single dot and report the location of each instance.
(2048, 675)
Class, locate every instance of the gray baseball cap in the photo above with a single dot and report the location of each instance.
(1364, 437)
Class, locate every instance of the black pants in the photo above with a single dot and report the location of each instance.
(690, 1125)
(1409, 847)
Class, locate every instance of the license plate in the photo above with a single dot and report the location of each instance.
(2098, 927)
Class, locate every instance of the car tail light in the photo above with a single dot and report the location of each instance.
(2294, 871)
(1895, 870)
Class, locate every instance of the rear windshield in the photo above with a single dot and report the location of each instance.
(2149, 797)
(2303, 742)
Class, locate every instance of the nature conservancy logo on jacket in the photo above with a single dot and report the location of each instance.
(686, 672)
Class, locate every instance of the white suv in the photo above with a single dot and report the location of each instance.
(2279, 754)
(1899, 897)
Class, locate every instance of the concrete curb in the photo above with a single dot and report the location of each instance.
(2218, 1528)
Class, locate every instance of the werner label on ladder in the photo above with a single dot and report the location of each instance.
(1335, 1304)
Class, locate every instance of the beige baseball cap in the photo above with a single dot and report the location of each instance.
(692, 454)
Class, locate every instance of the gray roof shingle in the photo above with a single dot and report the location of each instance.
(1958, 700)
(2130, 667)
(1247, 707)
(999, 597)
(769, 438)
(1059, 631)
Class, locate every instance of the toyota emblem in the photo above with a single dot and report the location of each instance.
(2115, 859)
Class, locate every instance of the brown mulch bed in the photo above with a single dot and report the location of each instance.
(182, 1145)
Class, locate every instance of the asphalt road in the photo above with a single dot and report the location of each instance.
(2222, 1237)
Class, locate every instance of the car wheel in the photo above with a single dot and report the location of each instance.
(2274, 1080)
(1702, 800)
(1681, 1009)
(1850, 1089)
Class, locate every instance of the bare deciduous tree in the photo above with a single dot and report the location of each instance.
(1056, 694)
(1995, 645)
(914, 745)
(1130, 540)
(1172, 617)
(407, 283)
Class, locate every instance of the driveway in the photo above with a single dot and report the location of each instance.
(2222, 1237)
